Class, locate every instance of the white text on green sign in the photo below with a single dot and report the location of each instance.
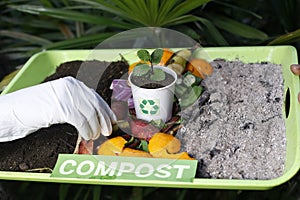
(131, 168)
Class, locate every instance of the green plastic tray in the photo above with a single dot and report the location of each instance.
(43, 64)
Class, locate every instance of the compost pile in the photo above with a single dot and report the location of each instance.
(239, 132)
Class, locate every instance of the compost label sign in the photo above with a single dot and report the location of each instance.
(130, 168)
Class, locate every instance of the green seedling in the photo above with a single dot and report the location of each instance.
(149, 71)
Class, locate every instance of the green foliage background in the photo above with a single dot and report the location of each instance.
(31, 26)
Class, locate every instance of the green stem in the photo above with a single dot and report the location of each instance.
(152, 71)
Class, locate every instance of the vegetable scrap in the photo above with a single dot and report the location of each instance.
(142, 129)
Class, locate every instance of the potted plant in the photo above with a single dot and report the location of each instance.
(152, 87)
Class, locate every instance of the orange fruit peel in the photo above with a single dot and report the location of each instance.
(164, 154)
(112, 147)
(163, 145)
(199, 67)
(167, 55)
(161, 141)
(134, 153)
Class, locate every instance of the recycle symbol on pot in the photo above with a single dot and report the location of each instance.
(149, 106)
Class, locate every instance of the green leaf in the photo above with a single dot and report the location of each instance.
(180, 20)
(126, 10)
(26, 37)
(153, 9)
(237, 28)
(185, 7)
(164, 10)
(213, 31)
(144, 55)
(156, 55)
(173, 12)
(71, 15)
(80, 42)
(141, 70)
(144, 146)
(158, 75)
(239, 9)
(287, 38)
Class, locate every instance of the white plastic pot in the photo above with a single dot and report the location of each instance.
(154, 104)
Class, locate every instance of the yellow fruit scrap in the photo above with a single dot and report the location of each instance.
(135, 153)
(200, 67)
(164, 154)
(161, 141)
(161, 145)
(167, 55)
(112, 147)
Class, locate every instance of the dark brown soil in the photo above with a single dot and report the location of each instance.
(145, 82)
(41, 148)
(38, 150)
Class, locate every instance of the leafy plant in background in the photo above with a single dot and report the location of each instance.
(276, 19)
(32, 26)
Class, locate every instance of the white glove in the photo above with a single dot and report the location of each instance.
(66, 100)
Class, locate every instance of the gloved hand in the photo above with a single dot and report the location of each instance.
(66, 100)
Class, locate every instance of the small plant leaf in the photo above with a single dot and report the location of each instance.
(141, 70)
(144, 145)
(144, 55)
(156, 55)
(158, 75)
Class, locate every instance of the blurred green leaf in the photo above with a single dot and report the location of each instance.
(237, 28)
(46, 3)
(24, 36)
(84, 41)
(34, 22)
(71, 15)
(150, 13)
(287, 38)
(213, 32)
(185, 7)
(97, 190)
(238, 8)
(63, 191)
